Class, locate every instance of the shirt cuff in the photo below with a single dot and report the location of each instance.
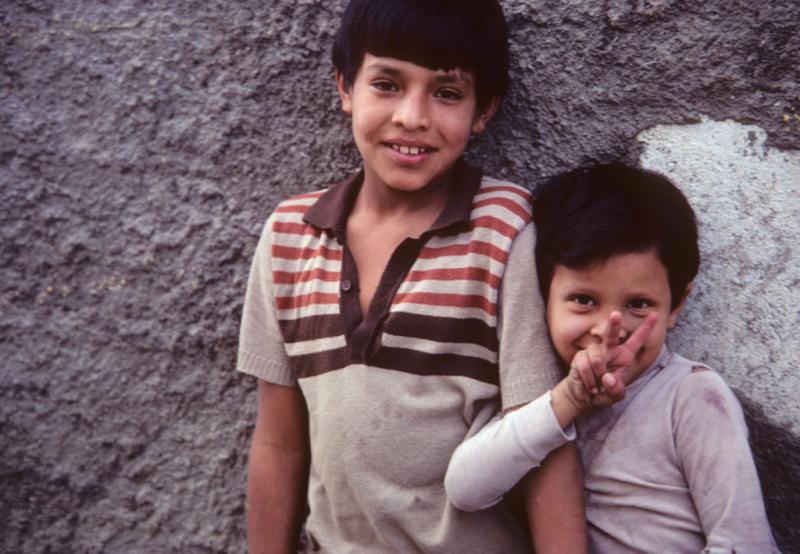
(542, 433)
(265, 369)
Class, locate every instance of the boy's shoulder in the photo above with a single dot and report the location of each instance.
(505, 200)
(682, 368)
(322, 208)
(300, 203)
(679, 372)
(698, 388)
(492, 185)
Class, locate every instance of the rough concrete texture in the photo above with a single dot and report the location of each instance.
(144, 143)
(743, 313)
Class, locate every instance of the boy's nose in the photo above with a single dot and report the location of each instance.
(412, 113)
(598, 330)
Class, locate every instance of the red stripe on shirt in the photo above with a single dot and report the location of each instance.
(495, 224)
(315, 194)
(289, 228)
(524, 194)
(510, 205)
(291, 302)
(299, 209)
(291, 253)
(456, 273)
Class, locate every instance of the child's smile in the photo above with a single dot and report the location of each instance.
(581, 300)
(410, 123)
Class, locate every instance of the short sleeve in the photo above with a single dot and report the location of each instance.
(528, 366)
(711, 442)
(261, 348)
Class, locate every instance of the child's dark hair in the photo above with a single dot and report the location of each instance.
(437, 34)
(590, 214)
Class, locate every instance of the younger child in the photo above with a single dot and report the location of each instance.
(668, 468)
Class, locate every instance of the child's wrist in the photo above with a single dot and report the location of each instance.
(565, 408)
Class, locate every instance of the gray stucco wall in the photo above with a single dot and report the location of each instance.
(144, 143)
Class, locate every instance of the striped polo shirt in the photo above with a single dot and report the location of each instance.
(454, 331)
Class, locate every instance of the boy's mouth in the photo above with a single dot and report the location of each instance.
(410, 150)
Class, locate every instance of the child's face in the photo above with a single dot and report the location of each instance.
(410, 123)
(580, 302)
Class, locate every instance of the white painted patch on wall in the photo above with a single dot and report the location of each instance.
(743, 317)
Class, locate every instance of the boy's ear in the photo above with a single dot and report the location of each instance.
(673, 315)
(482, 118)
(344, 93)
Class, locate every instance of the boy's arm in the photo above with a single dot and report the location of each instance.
(554, 501)
(528, 369)
(711, 442)
(279, 453)
(277, 472)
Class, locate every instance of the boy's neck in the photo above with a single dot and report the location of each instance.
(380, 201)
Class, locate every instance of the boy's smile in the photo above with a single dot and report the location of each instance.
(581, 300)
(410, 123)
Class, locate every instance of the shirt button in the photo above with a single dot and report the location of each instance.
(346, 285)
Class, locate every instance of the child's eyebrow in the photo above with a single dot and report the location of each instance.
(453, 76)
(443, 77)
(386, 69)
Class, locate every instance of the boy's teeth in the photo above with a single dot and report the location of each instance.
(413, 150)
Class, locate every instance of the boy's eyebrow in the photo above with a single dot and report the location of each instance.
(443, 77)
(454, 76)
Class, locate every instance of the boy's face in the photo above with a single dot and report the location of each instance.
(410, 123)
(580, 302)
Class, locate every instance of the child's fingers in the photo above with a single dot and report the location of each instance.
(596, 358)
(583, 368)
(639, 336)
(613, 328)
(613, 387)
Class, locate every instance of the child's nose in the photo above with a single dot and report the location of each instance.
(598, 330)
(412, 112)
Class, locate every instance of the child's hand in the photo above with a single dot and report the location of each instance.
(599, 374)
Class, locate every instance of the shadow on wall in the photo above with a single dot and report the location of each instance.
(777, 456)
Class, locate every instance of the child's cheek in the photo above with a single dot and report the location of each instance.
(565, 333)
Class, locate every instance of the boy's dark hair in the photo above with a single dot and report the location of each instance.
(437, 34)
(590, 214)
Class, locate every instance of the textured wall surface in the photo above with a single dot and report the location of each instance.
(144, 143)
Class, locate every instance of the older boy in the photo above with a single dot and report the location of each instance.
(377, 312)
(667, 469)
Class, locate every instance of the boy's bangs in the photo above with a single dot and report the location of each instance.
(436, 35)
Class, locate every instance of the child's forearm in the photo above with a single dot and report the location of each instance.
(488, 465)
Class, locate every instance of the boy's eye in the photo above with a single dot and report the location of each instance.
(449, 94)
(384, 86)
(640, 304)
(582, 300)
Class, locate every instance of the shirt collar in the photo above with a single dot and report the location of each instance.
(330, 212)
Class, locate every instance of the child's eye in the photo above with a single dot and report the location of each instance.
(582, 300)
(384, 86)
(449, 94)
(639, 304)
